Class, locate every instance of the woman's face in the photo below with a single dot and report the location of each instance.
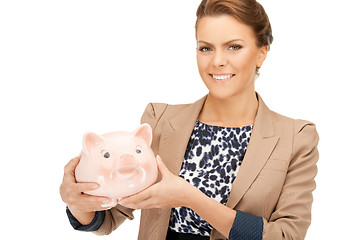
(227, 55)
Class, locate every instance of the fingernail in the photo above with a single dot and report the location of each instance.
(108, 203)
(95, 187)
(123, 203)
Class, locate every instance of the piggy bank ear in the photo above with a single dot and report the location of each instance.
(144, 132)
(91, 141)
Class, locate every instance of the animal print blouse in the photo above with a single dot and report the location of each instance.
(211, 162)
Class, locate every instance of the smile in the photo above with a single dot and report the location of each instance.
(221, 76)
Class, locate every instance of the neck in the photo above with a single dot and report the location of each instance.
(235, 111)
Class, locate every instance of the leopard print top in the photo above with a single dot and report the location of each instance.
(211, 162)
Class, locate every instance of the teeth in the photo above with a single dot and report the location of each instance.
(222, 77)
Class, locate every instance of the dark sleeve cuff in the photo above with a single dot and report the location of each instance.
(246, 226)
(93, 226)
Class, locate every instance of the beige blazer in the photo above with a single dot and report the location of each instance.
(275, 180)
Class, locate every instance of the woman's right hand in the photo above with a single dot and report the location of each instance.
(81, 205)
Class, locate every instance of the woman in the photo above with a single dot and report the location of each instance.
(209, 188)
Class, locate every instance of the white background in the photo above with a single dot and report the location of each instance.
(67, 67)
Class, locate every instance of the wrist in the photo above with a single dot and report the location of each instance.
(192, 196)
(200, 203)
(84, 218)
(94, 225)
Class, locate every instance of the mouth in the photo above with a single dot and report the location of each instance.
(221, 77)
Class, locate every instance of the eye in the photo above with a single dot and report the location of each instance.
(204, 49)
(105, 154)
(138, 149)
(235, 47)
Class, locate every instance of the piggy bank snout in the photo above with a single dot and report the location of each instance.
(126, 160)
(125, 166)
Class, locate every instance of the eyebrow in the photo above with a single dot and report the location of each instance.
(234, 40)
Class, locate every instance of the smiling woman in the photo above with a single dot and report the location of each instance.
(251, 13)
(227, 58)
(230, 167)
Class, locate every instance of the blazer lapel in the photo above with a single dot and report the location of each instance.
(177, 131)
(176, 134)
(262, 142)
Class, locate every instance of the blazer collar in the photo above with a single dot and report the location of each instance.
(187, 118)
(177, 132)
(262, 142)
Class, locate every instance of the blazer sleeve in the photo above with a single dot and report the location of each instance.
(292, 215)
(115, 216)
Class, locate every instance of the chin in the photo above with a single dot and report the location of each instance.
(229, 91)
(222, 94)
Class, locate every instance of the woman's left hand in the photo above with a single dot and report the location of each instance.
(172, 191)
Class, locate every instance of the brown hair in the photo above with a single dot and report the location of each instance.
(249, 12)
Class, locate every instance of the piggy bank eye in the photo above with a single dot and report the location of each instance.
(138, 149)
(105, 154)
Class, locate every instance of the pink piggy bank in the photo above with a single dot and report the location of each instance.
(122, 163)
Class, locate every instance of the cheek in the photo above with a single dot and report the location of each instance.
(244, 62)
(203, 63)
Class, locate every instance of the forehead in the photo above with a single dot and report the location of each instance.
(223, 28)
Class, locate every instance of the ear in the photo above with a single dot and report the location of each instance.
(91, 141)
(262, 55)
(144, 132)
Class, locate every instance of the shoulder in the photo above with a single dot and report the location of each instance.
(284, 123)
(155, 112)
(301, 134)
(283, 126)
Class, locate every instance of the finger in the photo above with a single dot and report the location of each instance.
(138, 197)
(85, 187)
(145, 204)
(101, 203)
(161, 165)
(71, 165)
(95, 203)
(69, 178)
(69, 170)
(133, 199)
(107, 204)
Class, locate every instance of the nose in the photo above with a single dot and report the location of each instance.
(126, 160)
(219, 59)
